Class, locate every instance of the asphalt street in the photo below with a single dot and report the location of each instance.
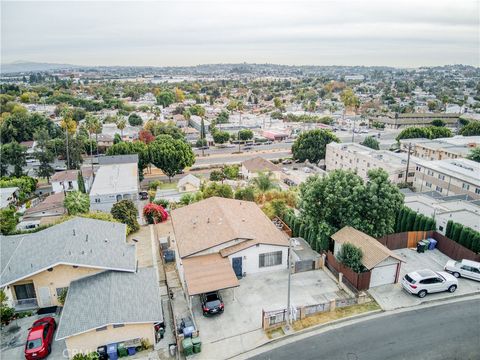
(449, 332)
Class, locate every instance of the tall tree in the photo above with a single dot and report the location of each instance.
(76, 203)
(126, 212)
(81, 182)
(166, 98)
(471, 129)
(311, 145)
(170, 155)
(371, 142)
(474, 154)
(15, 155)
(121, 124)
(264, 181)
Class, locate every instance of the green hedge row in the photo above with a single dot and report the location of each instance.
(463, 235)
(312, 234)
(409, 220)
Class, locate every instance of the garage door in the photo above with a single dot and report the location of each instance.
(383, 275)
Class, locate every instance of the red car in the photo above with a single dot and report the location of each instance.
(40, 338)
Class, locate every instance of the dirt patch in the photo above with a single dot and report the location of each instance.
(275, 333)
(339, 313)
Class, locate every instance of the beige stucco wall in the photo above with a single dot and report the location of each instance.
(60, 276)
(91, 340)
(187, 188)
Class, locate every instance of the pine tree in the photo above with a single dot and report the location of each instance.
(410, 220)
(448, 230)
(398, 223)
(81, 182)
(416, 223)
(457, 230)
(423, 221)
(403, 225)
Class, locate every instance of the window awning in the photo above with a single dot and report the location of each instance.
(208, 273)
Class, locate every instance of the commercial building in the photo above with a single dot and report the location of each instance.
(361, 159)
(401, 121)
(113, 183)
(442, 148)
(448, 177)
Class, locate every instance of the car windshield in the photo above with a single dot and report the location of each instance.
(33, 344)
(441, 277)
(213, 303)
(409, 279)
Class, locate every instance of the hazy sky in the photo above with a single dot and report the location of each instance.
(397, 33)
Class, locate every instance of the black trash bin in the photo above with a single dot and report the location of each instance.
(102, 352)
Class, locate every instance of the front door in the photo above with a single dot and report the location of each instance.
(237, 266)
(44, 294)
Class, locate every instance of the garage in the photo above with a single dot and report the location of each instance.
(383, 274)
(383, 264)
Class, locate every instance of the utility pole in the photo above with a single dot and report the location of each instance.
(289, 281)
(68, 150)
(408, 162)
(353, 131)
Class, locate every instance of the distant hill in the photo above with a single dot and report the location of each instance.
(28, 66)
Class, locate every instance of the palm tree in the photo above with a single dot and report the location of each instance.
(94, 126)
(70, 127)
(121, 124)
(264, 181)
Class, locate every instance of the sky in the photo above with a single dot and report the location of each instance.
(402, 33)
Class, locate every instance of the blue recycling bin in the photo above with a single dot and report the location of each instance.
(112, 351)
(433, 244)
(131, 351)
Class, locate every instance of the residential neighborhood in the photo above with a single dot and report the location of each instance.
(216, 180)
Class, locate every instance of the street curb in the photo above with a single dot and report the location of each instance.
(309, 329)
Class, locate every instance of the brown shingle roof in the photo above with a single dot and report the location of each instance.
(237, 247)
(373, 252)
(51, 203)
(258, 164)
(71, 175)
(208, 273)
(217, 221)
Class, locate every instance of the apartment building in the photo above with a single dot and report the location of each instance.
(402, 121)
(448, 177)
(442, 148)
(361, 159)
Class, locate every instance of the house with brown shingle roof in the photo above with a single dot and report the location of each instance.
(221, 240)
(252, 167)
(382, 262)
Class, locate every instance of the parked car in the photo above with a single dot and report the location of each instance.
(246, 148)
(364, 131)
(212, 303)
(286, 162)
(423, 282)
(40, 338)
(285, 170)
(289, 182)
(143, 195)
(465, 268)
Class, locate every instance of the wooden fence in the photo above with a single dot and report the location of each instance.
(447, 246)
(360, 281)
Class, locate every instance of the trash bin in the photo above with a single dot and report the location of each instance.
(433, 244)
(131, 351)
(102, 352)
(187, 346)
(197, 345)
(122, 350)
(112, 351)
(421, 247)
(173, 349)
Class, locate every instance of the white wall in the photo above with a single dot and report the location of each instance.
(105, 202)
(250, 258)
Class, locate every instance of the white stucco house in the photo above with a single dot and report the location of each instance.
(221, 240)
(64, 181)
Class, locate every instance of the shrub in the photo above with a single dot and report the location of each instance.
(351, 256)
(62, 296)
(126, 212)
(154, 213)
(162, 202)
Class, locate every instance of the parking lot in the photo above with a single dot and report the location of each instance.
(266, 291)
(14, 337)
(392, 296)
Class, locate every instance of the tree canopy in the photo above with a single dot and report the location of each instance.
(165, 98)
(428, 132)
(311, 145)
(474, 154)
(126, 212)
(76, 202)
(135, 120)
(471, 129)
(371, 142)
(170, 155)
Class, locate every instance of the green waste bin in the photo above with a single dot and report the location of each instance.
(122, 350)
(187, 346)
(197, 345)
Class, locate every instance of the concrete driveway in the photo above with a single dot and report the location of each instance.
(266, 291)
(14, 337)
(393, 296)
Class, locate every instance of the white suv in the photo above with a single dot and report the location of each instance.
(423, 282)
(465, 268)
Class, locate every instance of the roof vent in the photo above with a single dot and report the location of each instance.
(86, 238)
(106, 240)
(208, 220)
(73, 232)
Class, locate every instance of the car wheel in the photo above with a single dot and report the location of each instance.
(422, 293)
(452, 288)
(456, 274)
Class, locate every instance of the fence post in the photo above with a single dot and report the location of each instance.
(362, 297)
(321, 262)
(302, 312)
(340, 278)
(332, 305)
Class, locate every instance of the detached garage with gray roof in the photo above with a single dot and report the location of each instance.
(111, 307)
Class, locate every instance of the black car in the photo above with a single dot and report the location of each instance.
(212, 303)
(143, 195)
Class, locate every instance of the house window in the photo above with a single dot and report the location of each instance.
(270, 259)
(430, 172)
(118, 325)
(400, 176)
(427, 184)
(410, 174)
(103, 328)
(477, 191)
(440, 228)
(465, 186)
(439, 189)
(441, 177)
(70, 185)
(97, 200)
